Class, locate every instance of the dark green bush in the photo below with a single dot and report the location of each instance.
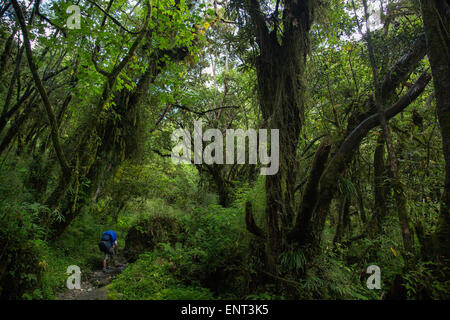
(20, 265)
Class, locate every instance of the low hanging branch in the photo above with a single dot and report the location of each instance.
(34, 71)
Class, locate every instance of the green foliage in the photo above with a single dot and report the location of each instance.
(20, 235)
(293, 261)
(186, 293)
(150, 278)
(210, 256)
(328, 277)
(428, 280)
(144, 279)
(215, 230)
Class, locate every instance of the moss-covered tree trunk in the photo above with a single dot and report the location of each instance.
(380, 190)
(343, 219)
(436, 22)
(280, 69)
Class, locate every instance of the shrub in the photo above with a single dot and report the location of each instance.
(20, 264)
(149, 231)
(203, 249)
(150, 278)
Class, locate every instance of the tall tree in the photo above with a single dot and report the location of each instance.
(280, 67)
(436, 19)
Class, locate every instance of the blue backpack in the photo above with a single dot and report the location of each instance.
(105, 243)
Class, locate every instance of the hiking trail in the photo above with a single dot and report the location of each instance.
(93, 284)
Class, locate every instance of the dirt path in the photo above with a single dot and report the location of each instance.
(94, 286)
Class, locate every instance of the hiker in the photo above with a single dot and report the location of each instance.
(107, 244)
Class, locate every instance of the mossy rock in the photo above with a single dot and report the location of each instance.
(147, 233)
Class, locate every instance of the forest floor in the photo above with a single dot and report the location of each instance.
(93, 286)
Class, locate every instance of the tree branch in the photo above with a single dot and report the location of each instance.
(203, 112)
(311, 191)
(106, 13)
(33, 68)
(345, 153)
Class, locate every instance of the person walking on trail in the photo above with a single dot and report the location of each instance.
(107, 244)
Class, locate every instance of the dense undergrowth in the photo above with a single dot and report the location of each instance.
(209, 255)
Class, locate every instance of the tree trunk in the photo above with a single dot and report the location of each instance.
(380, 99)
(311, 193)
(436, 21)
(280, 70)
(380, 189)
(343, 220)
